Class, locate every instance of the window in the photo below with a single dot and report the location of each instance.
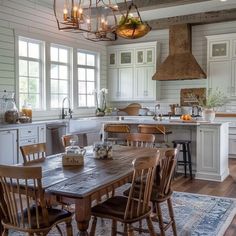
(86, 64)
(59, 74)
(30, 72)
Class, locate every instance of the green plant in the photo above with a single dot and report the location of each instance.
(130, 20)
(214, 99)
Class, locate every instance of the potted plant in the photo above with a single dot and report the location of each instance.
(101, 104)
(214, 99)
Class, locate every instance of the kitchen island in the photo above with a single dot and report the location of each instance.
(209, 143)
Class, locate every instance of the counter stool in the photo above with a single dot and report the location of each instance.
(187, 160)
(157, 130)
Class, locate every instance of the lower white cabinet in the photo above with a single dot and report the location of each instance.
(212, 152)
(8, 147)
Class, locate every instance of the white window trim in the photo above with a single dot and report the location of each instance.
(97, 78)
(41, 73)
(70, 74)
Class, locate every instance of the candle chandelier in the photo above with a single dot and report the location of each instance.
(97, 19)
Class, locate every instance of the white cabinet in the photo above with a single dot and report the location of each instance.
(219, 76)
(42, 133)
(130, 71)
(212, 152)
(222, 63)
(144, 87)
(145, 56)
(120, 80)
(8, 147)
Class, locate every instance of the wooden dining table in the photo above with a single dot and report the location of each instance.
(80, 185)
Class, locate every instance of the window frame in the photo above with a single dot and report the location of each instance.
(41, 62)
(70, 73)
(96, 79)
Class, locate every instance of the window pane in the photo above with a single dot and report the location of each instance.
(33, 69)
(90, 60)
(91, 74)
(63, 55)
(34, 50)
(90, 101)
(82, 100)
(81, 74)
(23, 68)
(54, 86)
(82, 87)
(54, 71)
(22, 48)
(33, 85)
(23, 85)
(54, 101)
(81, 58)
(63, 86)
(63, 72)
(90, 87)
(34, 100)
(54, 54)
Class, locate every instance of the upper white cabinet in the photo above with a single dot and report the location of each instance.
(130, 71)
(145, 56)
(222, 63)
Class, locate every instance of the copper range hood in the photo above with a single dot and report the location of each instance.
(180, 64)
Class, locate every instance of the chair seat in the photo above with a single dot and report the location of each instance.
(181, 141)
(115, 208)
(54, 215)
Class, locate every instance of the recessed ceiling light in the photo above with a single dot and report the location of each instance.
(223, 0)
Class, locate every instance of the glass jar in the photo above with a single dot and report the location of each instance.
(26, 110)
(11, 114)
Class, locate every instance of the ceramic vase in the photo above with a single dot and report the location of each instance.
(208, 115)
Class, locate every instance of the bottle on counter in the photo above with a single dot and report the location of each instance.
(26, 111)
(11, 114)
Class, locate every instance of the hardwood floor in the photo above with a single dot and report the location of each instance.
(224, 189)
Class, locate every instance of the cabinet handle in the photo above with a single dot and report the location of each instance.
(42, 128)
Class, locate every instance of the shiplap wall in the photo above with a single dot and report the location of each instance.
(170, 90)
(35, 19)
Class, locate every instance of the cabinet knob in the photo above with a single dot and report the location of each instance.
(29, 131)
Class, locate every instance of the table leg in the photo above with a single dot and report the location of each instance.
(83, 215)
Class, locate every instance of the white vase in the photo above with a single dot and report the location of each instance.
(208, 115)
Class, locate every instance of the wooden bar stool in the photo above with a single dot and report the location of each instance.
(158, 130)
(116, 133)
(187, 159)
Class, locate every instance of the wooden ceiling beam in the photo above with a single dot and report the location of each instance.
(156, 4)
(195, 19)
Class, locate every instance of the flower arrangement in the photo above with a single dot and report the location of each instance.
(214, 99)
(100, 98)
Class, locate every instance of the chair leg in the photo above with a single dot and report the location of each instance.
(125, 230)
(130, 230)
(160, 219)
(114, 228)
(150, 226)
(69, 230)
(185, 160)
(5, 232)
(172, 217)
(93, 227)
(189, 161)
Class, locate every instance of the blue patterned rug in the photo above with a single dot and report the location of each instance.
(196, 215)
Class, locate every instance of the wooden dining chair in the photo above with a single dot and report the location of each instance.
(80, 139)
(162, 191)
(26, 209)
(129, 209)
(158, 130)
(33, 153)
(140, 140)
(116, 133)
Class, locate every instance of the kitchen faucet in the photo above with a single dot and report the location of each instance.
(157, 117)
(64, 110)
